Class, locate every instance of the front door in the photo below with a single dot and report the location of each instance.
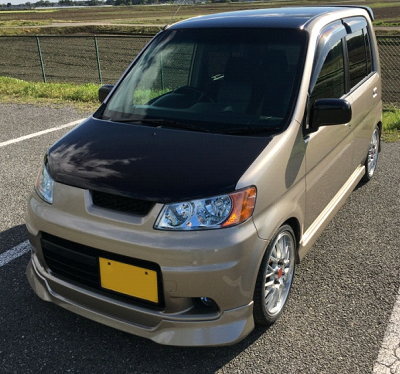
(328, 150)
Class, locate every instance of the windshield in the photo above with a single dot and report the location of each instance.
(218, 80)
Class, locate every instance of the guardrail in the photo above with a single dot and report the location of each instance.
(102, 59)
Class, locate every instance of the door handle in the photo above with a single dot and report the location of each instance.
(375, 92)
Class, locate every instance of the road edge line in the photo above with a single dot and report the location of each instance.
(14, 253)
(39, 133)
(389, 352)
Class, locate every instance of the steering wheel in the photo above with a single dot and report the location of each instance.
(202, 96)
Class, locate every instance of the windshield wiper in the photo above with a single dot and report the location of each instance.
(225, 129)
(249, 129)
(161, 122)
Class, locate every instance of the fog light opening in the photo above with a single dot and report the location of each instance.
(208, 302)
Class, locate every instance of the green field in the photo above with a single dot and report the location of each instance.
(149, 18)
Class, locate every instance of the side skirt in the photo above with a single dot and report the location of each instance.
(312, 233)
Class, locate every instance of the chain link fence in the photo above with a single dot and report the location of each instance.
(75, 59)
(389, 53)
(102, 59)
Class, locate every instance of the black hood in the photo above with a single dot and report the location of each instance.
(156, 164)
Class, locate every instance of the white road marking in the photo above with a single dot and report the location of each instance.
(14, 253)
(388, 360)
(25, 137)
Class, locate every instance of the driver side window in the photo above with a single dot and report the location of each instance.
(331, 79)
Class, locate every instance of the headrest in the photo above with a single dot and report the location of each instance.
(276, 61)
(239, 68)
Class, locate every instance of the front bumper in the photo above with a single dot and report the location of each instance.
(219, 264)
(232, 326)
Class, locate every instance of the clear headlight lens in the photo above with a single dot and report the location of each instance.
(210, 213)
(44, 185)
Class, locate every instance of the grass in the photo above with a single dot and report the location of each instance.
(386, 4)
(27, 11)
(143, 96)
(80, 30)
(391, 22)
(84, 96)
(391, 125)
(23, 23)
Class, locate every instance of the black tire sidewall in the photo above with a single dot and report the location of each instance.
(261, 317)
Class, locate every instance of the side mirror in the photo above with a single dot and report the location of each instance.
(327, 112)
(104, 91)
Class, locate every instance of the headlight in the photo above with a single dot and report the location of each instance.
(44, 185)
(210, 213)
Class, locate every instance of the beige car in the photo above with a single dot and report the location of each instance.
(178, 211)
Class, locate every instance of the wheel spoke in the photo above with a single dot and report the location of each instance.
(276, 297)
(269, 284)
(281, 246)
(278, 273)
(274, 259)
(280, 290)
(271, 297)
(268, 297)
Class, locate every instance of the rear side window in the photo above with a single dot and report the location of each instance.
(368, 51)
(331, 79)
(359, 52)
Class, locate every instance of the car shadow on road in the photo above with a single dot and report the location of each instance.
(12, 237)
(85, 344)
(76, 344)
(115, 351)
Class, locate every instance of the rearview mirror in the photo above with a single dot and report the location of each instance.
(326, 112)
(104, 91)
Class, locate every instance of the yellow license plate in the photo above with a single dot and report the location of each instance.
(129, 279)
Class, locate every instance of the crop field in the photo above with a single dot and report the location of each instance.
(57, 20)
(69, 59)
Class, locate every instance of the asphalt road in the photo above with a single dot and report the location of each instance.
(335, 320)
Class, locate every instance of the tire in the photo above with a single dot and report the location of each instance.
(275, 277)
(371, 160)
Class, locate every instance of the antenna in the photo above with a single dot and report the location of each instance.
(177, 10)
(180, 3)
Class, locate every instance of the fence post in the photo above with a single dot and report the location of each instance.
(41, 59)
(98, 60)
(161, 72)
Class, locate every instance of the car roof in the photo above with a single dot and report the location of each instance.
(291, 17)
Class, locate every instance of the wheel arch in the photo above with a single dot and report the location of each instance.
(294, 223)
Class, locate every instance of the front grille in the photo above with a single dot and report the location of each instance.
(71, 260)
(79, 264)
(121, 203)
